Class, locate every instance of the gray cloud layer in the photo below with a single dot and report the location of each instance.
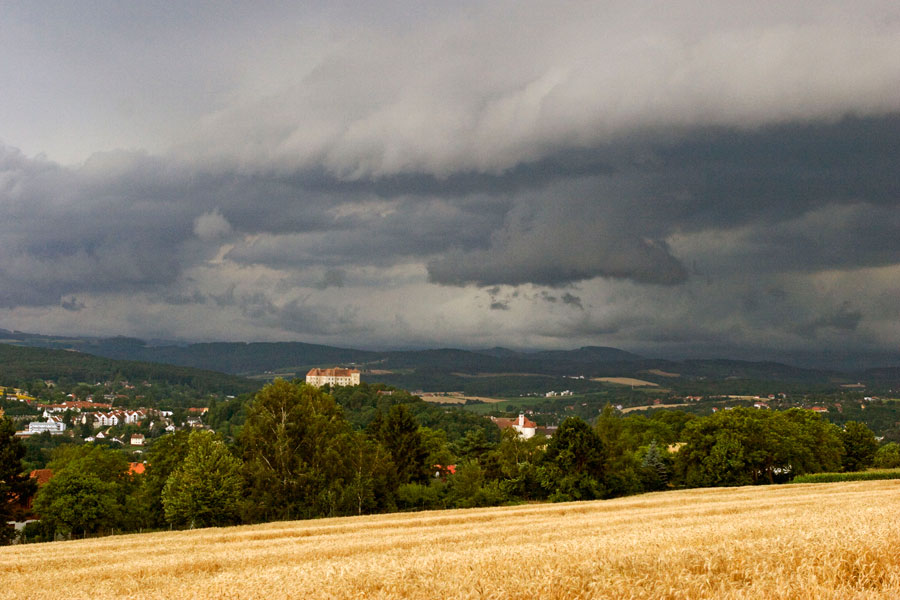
(642, 175)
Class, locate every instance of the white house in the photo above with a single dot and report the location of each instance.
(109, 419)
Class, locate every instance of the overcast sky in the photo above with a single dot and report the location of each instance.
(671, 178)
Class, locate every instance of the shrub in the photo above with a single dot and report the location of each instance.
(854, 476)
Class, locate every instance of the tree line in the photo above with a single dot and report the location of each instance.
(296, 455)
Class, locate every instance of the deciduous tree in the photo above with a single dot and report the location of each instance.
(295, 449)
(88, 493)
(573, 465)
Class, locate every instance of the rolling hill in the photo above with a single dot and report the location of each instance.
(412, 367)
(19, 364)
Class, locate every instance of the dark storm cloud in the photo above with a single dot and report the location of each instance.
(332, 278)
(72, 304)
(74, 231)
(303, 318)
(374, 233)
(719, 176)
(761, 202)
(844, 319)
(703, 173)
(557, 242)
(572, 300)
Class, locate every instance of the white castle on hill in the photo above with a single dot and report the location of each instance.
(320, 377)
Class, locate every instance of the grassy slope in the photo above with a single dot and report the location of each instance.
(797, 541)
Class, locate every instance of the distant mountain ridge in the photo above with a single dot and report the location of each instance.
(254, 358)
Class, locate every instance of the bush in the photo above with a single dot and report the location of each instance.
(888, 456)
(419, 496)
(854, 476)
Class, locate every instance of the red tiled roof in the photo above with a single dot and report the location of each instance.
(503, 422)
(136, 468)
(42, 475)
(316, 372)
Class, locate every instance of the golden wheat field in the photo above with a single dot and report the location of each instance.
(837, 540)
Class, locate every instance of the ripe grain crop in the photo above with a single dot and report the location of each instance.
(836, 541)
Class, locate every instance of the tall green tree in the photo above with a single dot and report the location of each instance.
(860, 446)
(165, 455)
(16, 488)
(620, 442)
(372, 483)
(573, 465)
(206, 489)
(517, 460)
(399, 433)
(654, 469)
(295, 444)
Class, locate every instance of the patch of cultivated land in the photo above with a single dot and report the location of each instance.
(626, 381)
(836, 541)
(485, 375)
(455, 398)
(662, 373)
(649, 406)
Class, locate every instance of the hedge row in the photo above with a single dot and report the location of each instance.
(856, 476)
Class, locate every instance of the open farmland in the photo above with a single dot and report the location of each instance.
(626, 381)
(796, 541)
(456, 398)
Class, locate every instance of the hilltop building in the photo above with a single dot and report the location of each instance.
(335, 376)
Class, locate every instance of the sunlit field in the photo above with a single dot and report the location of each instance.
(837, 540)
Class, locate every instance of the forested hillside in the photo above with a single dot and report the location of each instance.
(22, 364)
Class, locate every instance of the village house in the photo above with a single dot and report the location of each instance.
(110, 419)
(525, 427)
(335, 376)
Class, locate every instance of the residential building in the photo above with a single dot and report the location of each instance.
(54, 425)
